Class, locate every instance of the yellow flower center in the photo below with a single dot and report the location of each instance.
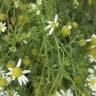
(54, 24)
(94, 40)
(16, 72)
(92, 81)
(3, 82)
(93, 52)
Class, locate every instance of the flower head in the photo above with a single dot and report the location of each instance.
(4, 79)
(66, 30)
(52, 25)
(82, 42)
(92, 82)
(92, 39)
(17, 72)
(91, 79)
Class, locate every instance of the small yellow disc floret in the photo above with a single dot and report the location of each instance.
(92, 81)
(16, 72)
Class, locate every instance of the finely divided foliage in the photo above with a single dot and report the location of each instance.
(47, 47)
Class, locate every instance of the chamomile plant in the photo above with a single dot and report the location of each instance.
(17, 73)
(47, 48)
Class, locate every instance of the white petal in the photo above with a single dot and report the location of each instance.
(62, 92)
(24, 81)
(94, 36)
(90, 70)
(93, 87)
(49, 26)
(88, 40)
(13, 78)
(9, 73)
(4, 24)
(51, 31)
(49, 22)
(26, 71)
(20, 81)
(4, 29)
(25, 78)
(70, 27)
(69, 93)
(91, 59)
(56, 18)
(10, 69)
(58, 94)
(94, 67)
(19, 63)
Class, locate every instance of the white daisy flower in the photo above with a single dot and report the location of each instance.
(91, 58)
(62, 93)
(52, 25)
(2, 27)
(92, 39)
(91, 82)
(4, 79)
(17, 72)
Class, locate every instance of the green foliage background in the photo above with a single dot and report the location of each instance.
(59, 59)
